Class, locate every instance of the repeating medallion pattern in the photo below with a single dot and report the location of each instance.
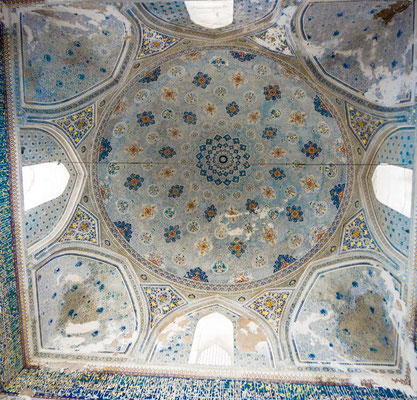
(231, 157)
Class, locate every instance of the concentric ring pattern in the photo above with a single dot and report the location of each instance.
(221, 167)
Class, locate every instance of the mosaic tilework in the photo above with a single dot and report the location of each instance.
(41, 147)
(83, 227)
(244, 13)
(356, 235)
(84, 305)
(363, 125)
(351, 43)
(162, 300)
(274, 39)
(397, 149)
(107, 386)
(154, 42)
(56, 70)
(78, 125)
(10, 349)
(218, 124)
(347, 315)
(270, 305)
(251, 346)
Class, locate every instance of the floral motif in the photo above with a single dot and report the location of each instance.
(364, 125)
(321, 108)
(105, 149)
(190, 118)
(283, 261)
(356, 235)
(268, 192)
(167, 152)
(210, 108)
(269, 235)
(336, 194)
(172, 233)
(201, 80)
(232, 109)
(294, 214)
(242, 56)
(82, 227)
(219, 267)
(311, 150)
(151, 76)
(125, 229)
(175, 191)
(146, 118)
(161, 301)
(219, 63)
(297, 118)
(133, 149)
(154, 42)
(310, 183)
(78, 125)
(134, 182)
(269, 133)
(167, 172)
(252, 206)
(191, 206)
(197, 274)
(272, 92)
(277, 173)
(278, 152)
(203, 246)
(169, 94)
(237, 247)
(148, 211)
(210, 213)
(270, 306)
(254, 117)
(238, 79)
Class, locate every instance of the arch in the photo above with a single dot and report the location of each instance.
(179, 326)
(46, 145)
(210, 14)
(329, 327)
(87, 325)
(393, 186)
(43, 182)
(213, 341)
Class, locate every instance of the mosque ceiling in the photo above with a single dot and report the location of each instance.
(222, 171)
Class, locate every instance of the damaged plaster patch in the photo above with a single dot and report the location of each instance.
(364, 46)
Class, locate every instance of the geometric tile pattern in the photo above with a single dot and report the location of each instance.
(356, 235)
(84, 227)
(274, 39)
(10, 345)
(270, 306)
(78, 125)
(81, 385)
(162, 300)
(154, 42)
(363, 125)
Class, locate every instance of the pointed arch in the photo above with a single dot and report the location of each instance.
(213, 341)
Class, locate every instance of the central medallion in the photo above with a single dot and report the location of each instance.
(219, 169)
(223, 160)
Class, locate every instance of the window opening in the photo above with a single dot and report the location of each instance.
(210, 14)
(43, 182)
(393, 186)
(213, 341)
